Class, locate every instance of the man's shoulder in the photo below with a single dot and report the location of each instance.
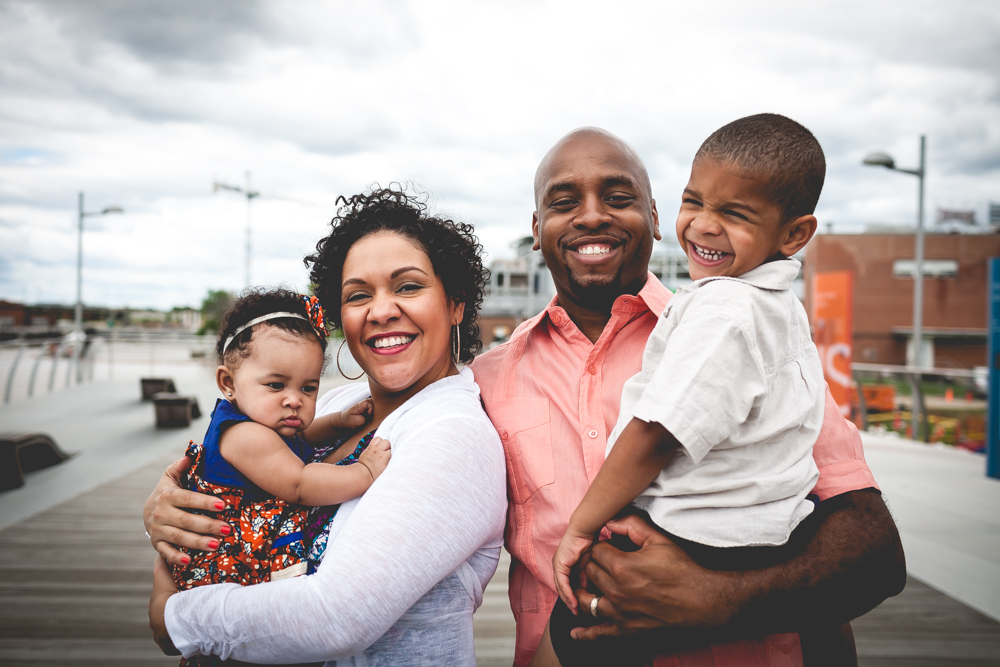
(486, 366)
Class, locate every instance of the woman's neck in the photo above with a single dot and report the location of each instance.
(385, 401)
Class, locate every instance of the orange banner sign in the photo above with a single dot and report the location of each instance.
(832, 309)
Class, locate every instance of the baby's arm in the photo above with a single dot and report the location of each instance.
(643, 449)
(328, 427)
(261, 455)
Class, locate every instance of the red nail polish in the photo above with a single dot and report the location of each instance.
(185, 559)
(219, 505)
(225, 530)
(213, 544)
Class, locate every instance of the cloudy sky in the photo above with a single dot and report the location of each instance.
(144, 104)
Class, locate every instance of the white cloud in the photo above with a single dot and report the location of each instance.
(144, 104)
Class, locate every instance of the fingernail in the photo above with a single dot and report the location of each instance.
(225, 530)
(219, 505)
(213, 544)
(185, 559)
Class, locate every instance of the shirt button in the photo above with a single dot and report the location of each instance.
(593, 433)
(592, 369)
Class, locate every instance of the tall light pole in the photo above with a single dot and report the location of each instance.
(883, 160)
(78, 319)
(250, 194)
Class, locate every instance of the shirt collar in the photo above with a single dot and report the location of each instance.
(653, 297)
(777, 275)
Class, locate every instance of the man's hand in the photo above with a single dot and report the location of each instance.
(657, 585)
(163, 588)
(168, 524)
(850, 560)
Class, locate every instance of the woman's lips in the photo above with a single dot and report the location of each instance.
(393, 343)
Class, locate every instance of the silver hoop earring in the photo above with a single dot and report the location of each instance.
(341, 369)
(456, 343)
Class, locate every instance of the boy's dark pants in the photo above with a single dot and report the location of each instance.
(641, 648)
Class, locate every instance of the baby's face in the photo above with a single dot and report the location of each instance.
(726, 224)
(278, 383)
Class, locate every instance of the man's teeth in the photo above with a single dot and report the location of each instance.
(393, 341)
(710, 255)
(594, 249)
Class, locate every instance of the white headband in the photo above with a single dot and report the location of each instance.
(258, 320)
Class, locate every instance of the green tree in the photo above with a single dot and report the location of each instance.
(212, 308)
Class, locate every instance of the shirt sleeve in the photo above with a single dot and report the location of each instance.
(839, 455)
(708, 378)
(440, 499)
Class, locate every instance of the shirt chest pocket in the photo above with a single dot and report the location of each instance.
(523, 425)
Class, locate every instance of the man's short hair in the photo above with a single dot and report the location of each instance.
(778, 149)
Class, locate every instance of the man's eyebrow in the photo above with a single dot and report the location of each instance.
(564, 186)
(620, 179)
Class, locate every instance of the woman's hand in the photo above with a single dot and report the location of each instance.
(168, 524)
(571, 549)
(163, 588)
(376, 456)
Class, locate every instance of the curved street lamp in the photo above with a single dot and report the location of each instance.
(78, 319)
(918, 361)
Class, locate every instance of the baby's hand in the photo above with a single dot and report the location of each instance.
(357, 415)
(375, 457)
(571, 548)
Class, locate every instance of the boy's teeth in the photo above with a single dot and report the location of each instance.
(594, 249)
(710, 255)
(393, 341)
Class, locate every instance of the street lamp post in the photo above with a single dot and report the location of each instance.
(250, 194)
(883, 160)
(78, 319)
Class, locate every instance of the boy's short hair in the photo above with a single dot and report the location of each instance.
(777, 148)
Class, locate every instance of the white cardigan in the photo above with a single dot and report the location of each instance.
(406, 563)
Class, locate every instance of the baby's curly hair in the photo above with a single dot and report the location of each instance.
(254, 302)
(452, 247)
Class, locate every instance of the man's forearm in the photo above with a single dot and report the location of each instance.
(851, 562)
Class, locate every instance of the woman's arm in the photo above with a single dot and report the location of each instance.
(442, 498)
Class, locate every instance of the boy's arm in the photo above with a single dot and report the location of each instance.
(640, 453)
(261, 455)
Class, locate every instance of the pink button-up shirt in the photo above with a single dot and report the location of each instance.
(553, 397)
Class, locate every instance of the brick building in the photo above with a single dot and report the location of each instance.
(955, 271)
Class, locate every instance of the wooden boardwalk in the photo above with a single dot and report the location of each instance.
(75, 579)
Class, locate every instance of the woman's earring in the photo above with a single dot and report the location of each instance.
(456, 343)
(338, 363)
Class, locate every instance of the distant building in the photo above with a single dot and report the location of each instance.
(955, 270)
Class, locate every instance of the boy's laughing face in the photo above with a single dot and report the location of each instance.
(727, 225)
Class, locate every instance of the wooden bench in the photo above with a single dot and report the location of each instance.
(26, 452)
(174, 410)
(151, 386)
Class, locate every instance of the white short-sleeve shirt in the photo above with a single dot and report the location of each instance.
(731, 371)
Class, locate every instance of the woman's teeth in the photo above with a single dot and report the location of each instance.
(710, 255)
(393, 341)
(594, 249)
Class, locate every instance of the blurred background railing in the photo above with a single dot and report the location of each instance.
(36, 366)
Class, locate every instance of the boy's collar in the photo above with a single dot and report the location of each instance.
(777, 275)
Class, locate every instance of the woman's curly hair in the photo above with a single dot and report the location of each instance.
(254, 302)
(453, 249)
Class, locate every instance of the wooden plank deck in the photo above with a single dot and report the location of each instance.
(75, 579)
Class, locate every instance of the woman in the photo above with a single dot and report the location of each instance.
(405, 564)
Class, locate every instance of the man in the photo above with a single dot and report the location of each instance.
(553, 391)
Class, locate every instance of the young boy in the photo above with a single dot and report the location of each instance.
(715, 435)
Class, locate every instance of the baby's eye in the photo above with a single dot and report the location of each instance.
(309, 389)
(277, 386)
